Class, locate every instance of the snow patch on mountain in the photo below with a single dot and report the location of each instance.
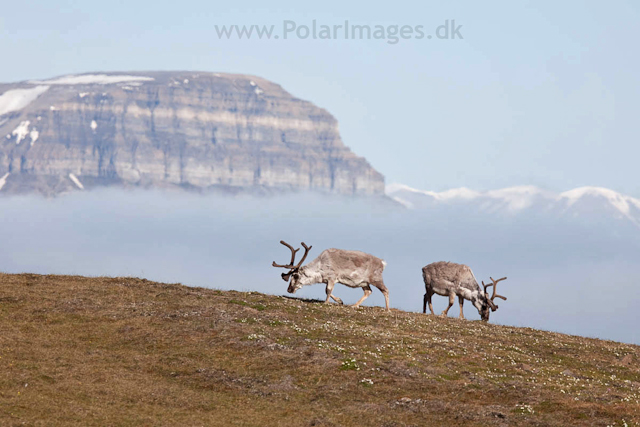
(34, 134)
(76, 181)
(17, 99)
(3, 180)
(21, 131)
(462, 192)
(520, 198)
(513, 198)
(619, 201)
(456, 193)
(86, 79)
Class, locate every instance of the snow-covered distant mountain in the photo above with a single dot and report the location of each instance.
(584, 202)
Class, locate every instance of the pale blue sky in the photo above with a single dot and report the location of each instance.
(542, 93)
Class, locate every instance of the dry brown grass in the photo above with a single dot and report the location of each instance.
(126, 351)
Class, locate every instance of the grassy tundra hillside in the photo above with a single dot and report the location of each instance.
(126, 351)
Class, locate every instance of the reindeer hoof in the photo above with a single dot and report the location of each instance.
(355, 306)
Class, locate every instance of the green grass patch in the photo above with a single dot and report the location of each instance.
(349, 365)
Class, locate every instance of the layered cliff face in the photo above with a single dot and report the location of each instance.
(157, 129)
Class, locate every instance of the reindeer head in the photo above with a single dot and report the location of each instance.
(487, 304)
(294, 270)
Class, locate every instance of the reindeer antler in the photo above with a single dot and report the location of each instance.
(485, 286)
(495, 288)
(291, 266)
(293, 256)
(306, 252)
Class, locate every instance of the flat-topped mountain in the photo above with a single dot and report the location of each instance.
(196, 130)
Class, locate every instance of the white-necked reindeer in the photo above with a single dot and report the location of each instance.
(450, 279)
(351, 268)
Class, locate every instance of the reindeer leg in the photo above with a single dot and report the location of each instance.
(380, 285)
(461, 301)
(330, 285)
(430, 304)
(336, 299)
(367, 291)
(452, 298)
(427, 299)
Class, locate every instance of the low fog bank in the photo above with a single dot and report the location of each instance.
(566, 277)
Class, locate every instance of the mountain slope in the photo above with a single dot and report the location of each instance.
(583, 202)
(156, 129)
(126, 351)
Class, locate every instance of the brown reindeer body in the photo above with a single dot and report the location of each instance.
(450, 279)
(355, 269)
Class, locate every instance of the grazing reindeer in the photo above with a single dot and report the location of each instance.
(351, 268)
(450, 279)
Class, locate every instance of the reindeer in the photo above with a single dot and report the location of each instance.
(450, 279)
(351, 268)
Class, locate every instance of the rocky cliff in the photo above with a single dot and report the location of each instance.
(196, 130)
